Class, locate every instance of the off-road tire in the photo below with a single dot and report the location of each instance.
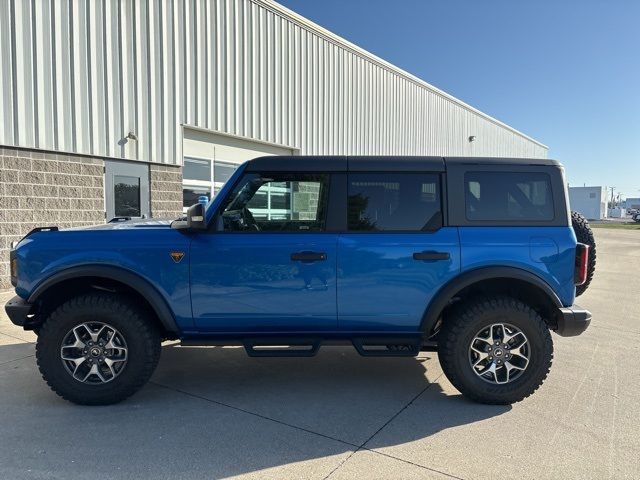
(584, 234)
(460, 327)
(141, 336)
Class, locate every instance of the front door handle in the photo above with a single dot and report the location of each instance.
(431, 256)
(308, 256)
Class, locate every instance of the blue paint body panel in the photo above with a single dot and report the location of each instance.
(247, 282)
(548, 252)
(381, 286)
(141, 248)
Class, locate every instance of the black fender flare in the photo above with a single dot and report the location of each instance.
(136, 282)
(442, 298)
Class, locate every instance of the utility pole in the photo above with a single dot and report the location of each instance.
(612, 206)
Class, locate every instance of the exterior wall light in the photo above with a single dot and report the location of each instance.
(472, 138)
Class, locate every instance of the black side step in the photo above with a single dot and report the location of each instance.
(282, 347)
(388, 347)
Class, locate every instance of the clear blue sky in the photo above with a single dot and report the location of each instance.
(566, 72)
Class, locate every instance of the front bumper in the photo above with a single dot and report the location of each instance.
(18, 310)
(572, 321)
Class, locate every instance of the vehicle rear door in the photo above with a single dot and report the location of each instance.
(396, 252)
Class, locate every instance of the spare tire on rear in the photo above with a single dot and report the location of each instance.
(584, 234)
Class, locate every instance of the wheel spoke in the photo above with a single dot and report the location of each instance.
(506, 338)
(518, 351)
(76, 360)
(489, 338)
(76, 363)
(491, 370)
(95, 336)
(478, 351)
(110, 363)
(481, 358)
(511, 366)
(77, 331)
(78, 342)
(99, 373)
(496, 326)
(92, 370)
(499, 371)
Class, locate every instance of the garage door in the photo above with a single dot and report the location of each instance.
(211, 158)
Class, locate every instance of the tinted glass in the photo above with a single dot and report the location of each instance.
(190, 195)
(196, 169)
(222, 171)
(517, 196)
(394, 202)
(282, 202)
(126, 196)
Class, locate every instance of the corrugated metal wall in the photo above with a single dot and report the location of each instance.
(79, 75)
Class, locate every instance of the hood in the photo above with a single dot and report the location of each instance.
(142, 223)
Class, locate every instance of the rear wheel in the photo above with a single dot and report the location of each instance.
(584, 234)
(496, 350)
(97, 349)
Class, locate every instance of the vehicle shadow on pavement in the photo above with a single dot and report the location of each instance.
(216, 412)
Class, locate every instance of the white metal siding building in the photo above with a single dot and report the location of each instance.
(589, 201)
(79, 76)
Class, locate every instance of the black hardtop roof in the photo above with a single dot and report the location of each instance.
(377, 163)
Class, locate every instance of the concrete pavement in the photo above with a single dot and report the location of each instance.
(216, 413)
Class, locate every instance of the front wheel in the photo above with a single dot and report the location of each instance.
(495, 350)
(97, 349)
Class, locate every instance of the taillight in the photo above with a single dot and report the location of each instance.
(582, 259)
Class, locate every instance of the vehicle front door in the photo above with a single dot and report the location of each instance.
(269, 265)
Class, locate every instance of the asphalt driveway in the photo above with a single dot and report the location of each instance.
(214, 412)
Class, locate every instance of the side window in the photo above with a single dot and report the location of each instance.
(277, 203)
(508, 196)
(394, 202)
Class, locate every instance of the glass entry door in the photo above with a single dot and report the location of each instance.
(126, 189)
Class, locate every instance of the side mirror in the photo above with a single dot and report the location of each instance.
(195, 217)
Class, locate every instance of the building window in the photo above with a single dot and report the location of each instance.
(203, 177)
(126, 196)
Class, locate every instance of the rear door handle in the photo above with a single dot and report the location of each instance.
(431, 256)
(308, 256)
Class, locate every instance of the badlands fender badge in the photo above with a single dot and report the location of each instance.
(176, 256)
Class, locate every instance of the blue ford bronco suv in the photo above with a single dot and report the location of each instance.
(475, 258)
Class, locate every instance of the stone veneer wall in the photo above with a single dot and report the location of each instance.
(166, 191)
(40, 189)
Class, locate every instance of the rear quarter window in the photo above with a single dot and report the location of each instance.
(508, 196)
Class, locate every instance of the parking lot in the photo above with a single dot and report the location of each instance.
(216, 413)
